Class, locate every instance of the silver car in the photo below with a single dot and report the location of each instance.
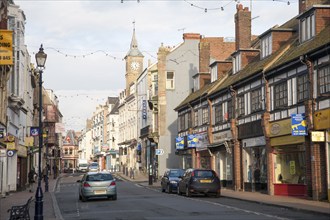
(97, 184)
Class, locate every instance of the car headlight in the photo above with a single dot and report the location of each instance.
(173, 182)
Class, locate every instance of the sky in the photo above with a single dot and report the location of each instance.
(86, 41)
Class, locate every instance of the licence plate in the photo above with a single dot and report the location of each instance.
(98, 192)
(205, 181)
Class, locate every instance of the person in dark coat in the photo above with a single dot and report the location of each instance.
(32, 176)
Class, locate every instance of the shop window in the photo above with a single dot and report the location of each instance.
(290, 166)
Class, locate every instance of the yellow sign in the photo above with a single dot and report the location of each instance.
(322, 119)
(286, 140)
(6, 47)
(292, 167)
(11, 146)
(318, 136)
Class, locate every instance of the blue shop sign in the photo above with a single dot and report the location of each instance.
(179, 143)
(298, 125)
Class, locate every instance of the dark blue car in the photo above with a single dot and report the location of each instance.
(170, 180)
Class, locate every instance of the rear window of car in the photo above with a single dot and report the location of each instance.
(176, 173)
(99, 177)
(203, 173)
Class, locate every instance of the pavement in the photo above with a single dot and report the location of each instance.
(52, 212)
(50, 208)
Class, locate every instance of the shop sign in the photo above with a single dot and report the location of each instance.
(179, 143)
(10, 153)
(221, 136)
(144, 109)
(11, 146)
(202, 142)
(252, 142)
(192, 140)
(2, 152)
(318, 136)
(29, 141)
(286, 140)
(34, 131)
(298, 125)
(2, 133)
(6, 47)
(280, 128)
(322, 119)
(21, 151)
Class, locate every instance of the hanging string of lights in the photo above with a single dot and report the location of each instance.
(82, 95)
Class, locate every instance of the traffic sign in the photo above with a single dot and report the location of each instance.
(159, 151)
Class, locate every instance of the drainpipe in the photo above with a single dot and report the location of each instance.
(236, 148)
(265, 123)
(313, 173)
(209, 132)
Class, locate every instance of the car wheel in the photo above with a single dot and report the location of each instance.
(188, 194)
(79, 197)
(84, 199)
(163, 190)
(169, 190)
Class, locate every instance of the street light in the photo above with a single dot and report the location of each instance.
(41, 60)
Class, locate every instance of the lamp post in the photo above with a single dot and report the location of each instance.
(47, 161)
(41, 60)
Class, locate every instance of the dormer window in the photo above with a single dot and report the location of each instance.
(214, 73)
(236, 63)
(307, 27)
(266, 46)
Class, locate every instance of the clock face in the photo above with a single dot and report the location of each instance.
(135, 65)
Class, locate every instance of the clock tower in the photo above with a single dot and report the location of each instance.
(134, 62)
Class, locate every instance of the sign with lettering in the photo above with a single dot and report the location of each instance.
(298, 125)
(6, 47)
(179, 143)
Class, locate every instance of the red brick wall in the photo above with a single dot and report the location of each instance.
(279, 38)
(322, 19)
(306, 4)
(223, 68)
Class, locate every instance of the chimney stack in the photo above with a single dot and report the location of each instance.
(242, 27)
(304, 5)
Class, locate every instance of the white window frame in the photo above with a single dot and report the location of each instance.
(307, 28)
(266, 46)
(214, 73)
(236, 63)
(170, 82)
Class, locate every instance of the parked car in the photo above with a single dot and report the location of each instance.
(169, 181)
(93, 167)
(97, 184)
(199, 181)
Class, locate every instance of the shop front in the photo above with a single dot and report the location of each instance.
(289, 156)
(185, 150)
(203, 156)
(255, 164)
(221, 150)
(321, 135)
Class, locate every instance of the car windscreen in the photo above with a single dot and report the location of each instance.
(99, 177)
(176, 173)
(83, 165)
(203, 174)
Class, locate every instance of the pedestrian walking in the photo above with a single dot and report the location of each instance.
(44, 173)
(32, 176)
(55, 170)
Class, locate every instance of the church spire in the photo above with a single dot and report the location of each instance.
(134, 50)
